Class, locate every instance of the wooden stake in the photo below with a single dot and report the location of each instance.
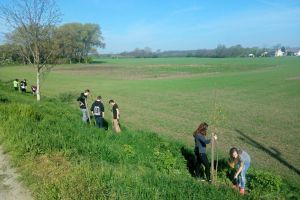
(87, 109)
(212, 176)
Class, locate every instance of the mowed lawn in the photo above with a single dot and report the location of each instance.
(252, 103)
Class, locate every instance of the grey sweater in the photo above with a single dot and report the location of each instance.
(200, 143)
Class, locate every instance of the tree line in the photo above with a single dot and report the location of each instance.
(68, 43)
(221, 51)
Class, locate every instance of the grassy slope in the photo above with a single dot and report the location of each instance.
(258, 99)
(62, 158)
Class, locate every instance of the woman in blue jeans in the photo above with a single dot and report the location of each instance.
(241, 160)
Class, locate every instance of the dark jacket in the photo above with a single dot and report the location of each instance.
(82, 101)
(97, 108)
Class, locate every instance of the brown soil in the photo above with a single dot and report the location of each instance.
(10, 187)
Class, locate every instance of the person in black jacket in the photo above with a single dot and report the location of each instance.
(23, 86)
(98, 111)
(115, 116)
(82, 104)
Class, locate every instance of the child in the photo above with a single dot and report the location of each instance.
(23, 86)
(200, 149)
(82, 104)
(98, 112)
(116, 116)
(33, 89)
(241, 160)
(16, 84)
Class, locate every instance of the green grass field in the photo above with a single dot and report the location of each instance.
(252, 103)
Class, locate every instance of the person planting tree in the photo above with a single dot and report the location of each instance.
(240, 160)
(200, 150)
(82, 104)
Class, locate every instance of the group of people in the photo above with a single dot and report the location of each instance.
(97, 110)
(238, 159)
(22, 86)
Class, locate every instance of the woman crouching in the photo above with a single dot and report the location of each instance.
(241, 160)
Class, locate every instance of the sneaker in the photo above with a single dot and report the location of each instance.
(242, 191)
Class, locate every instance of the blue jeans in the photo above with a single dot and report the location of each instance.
(242, 176)
(99, 121)
(85, 116)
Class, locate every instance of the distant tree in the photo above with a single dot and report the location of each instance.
(91, 36)
(9, 53)
(75, 40)
(220, 51)
(33, 22)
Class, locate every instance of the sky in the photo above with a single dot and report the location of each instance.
(187, 24)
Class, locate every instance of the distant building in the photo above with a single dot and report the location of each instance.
(251, 55)
(297, 53)
(279, 53)
(264, 54)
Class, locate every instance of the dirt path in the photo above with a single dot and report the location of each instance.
(10, 187)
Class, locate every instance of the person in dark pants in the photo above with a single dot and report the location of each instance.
(82, 104)
(98, 111)
(200, 150)
(115, 116)
(23, 86)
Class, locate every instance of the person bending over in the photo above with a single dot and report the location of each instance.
(240, 160)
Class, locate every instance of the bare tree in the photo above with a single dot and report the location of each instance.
(33, 22)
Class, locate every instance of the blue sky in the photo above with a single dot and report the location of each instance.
(188, 24)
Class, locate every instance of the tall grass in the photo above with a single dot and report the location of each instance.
(60, 157)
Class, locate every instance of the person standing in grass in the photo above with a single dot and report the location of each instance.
(23, 86)
(240, 160)
(200, 150)
(33, 90)
(115, 116)
(16, 84)
(82, 104)
(98, 111)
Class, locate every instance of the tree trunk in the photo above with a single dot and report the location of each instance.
(38, 96)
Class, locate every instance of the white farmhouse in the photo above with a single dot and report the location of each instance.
(297, 54)
(279, 53)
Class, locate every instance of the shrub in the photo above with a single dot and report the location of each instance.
(260, 182)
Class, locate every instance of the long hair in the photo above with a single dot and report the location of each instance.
(201, 129)
(231, 151)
